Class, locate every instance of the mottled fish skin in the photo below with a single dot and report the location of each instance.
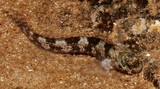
(88, 45)
(85, 45)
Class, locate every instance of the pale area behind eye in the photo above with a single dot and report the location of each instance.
(106, 64)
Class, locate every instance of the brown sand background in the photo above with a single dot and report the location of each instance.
(24, 66)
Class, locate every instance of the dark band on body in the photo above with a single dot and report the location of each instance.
(93, 41)
(73, 40)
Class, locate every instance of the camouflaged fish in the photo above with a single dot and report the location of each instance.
(83, 45)
(112, 57)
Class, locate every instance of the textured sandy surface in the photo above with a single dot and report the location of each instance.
(24, 66)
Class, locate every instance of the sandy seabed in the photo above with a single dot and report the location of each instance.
(24, 66)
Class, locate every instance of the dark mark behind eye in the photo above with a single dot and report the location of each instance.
(107, 47)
